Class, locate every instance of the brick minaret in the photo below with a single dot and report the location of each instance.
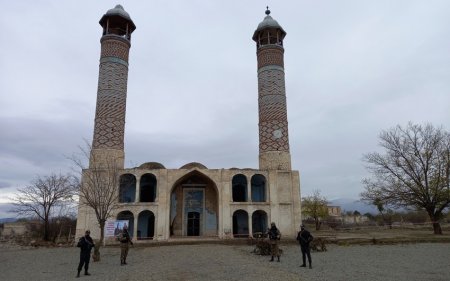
(109, 128)
(273, 126)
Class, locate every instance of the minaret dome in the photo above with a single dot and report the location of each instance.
(118, 22)
(269, 31)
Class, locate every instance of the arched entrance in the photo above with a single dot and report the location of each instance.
(194, 206)
(127, 215)
(146, 225)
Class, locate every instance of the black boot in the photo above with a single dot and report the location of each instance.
(303, 265)
(278, 258)
(310, 266)
(78, 275)
(86, 273)
(124, 261)
(271, 259)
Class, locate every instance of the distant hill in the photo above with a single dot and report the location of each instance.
(348, 204)
(5, 212)
(6, 220)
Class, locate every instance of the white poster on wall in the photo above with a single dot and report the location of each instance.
(113, 228)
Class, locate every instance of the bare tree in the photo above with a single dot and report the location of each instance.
(315, 206)
(43, 195)
(413, 172)
(99, 188)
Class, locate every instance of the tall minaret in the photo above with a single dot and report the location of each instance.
(273, 126)
(112, 88)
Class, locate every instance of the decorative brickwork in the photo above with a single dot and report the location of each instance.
(270, 141)
(271, 82)
(114, 46)
(273, 125)
(272, 55)
(111, 97)
(111, 104)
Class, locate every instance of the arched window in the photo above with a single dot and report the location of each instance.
(239, 185)
(240, 224)
(127, 188)
(258, 188)
(148, 188)
(259, 222)
(127, 216)
(146, 225)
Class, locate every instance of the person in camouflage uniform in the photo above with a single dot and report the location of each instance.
(274, 236)
(125, 241)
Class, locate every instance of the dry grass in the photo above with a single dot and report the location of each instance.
(384, 235)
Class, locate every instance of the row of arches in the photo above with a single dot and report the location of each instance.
(241, 223)
(146, 223)
(257, 191)
(148, 188)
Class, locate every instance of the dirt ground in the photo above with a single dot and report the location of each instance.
(355, 254)
(371, 235)
(421, 261)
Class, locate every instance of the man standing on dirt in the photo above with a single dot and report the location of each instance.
(304, 238)
(125, 240)
(274, 236)
(85, 244)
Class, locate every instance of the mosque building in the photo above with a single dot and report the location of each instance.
(193, 201)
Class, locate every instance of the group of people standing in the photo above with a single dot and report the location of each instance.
(304, 238)
(86, 244)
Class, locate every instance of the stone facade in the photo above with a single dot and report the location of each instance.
(218, 207)
(194, 201)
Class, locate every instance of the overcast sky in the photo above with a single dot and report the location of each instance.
(353, 68)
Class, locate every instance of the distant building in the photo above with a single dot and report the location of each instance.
(335, 212)
(355, 219)
(194, 201)
(21, 228)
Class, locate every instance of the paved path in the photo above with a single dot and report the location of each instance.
(427, 261)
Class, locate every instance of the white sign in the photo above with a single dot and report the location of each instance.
(113, 228)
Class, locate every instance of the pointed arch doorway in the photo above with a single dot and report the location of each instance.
(194, 206)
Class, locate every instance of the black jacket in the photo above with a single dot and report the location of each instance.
(304, 237)
(85, 244)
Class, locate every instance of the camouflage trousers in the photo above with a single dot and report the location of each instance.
(274, 250)
(124, 251)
